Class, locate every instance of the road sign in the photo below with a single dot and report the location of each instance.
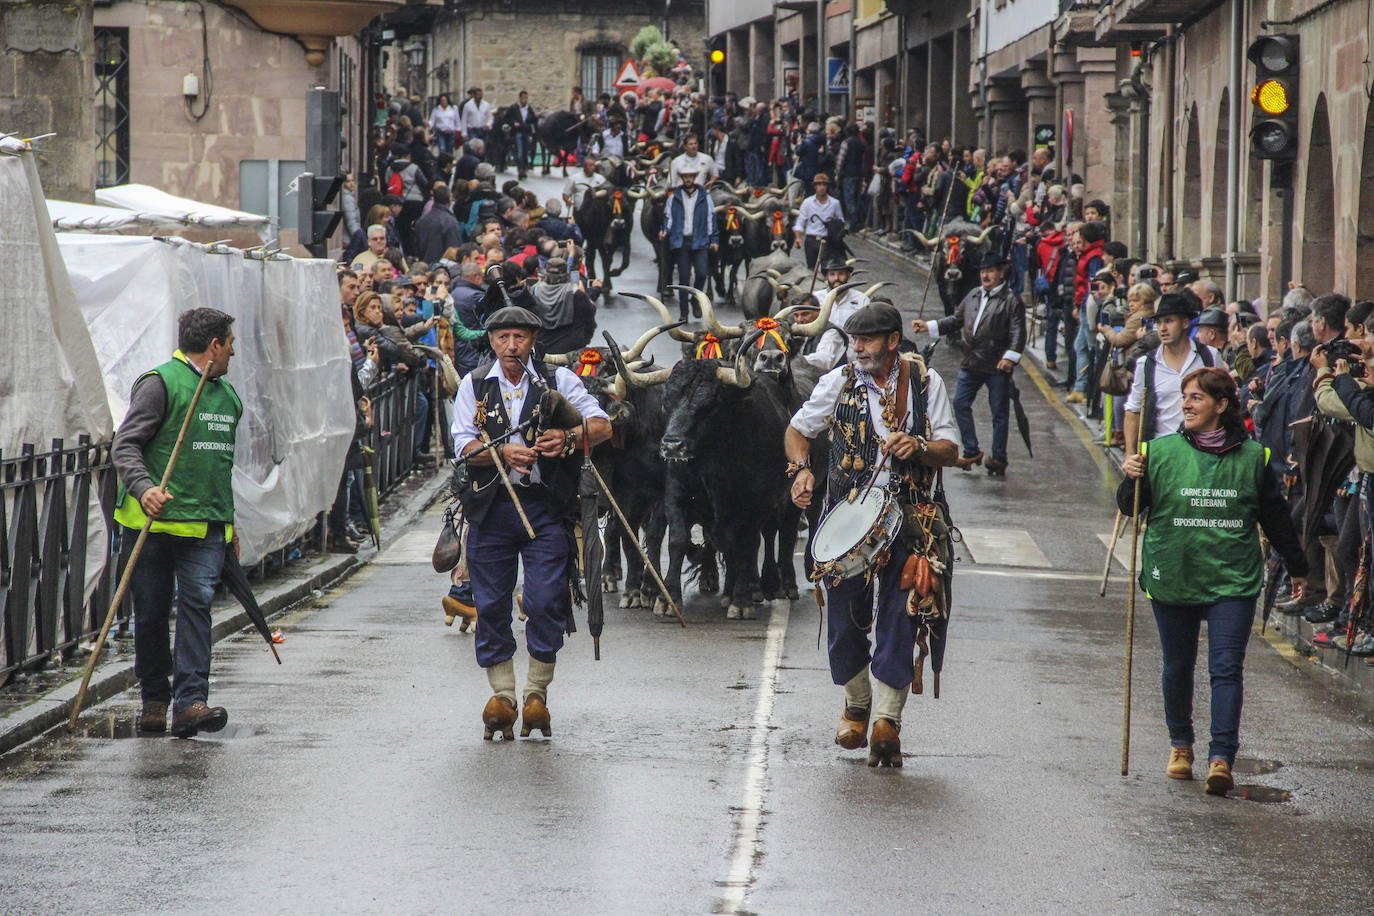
(837, 75)
(629, 77)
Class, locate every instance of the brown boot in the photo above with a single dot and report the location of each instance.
(535, 717)
(853, 731)
(886, 750)
(499, 716)
(198, 718)
(1180, 763)
(153, 717)
(1219, 778)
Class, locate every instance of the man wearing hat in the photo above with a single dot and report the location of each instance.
(541, 463)
(613, 139)
(1212, 327)
(814, 218)
(692, 160)
(1155, 405)
(830, 348)
(890, 425)
(689, 227)
(991, 322)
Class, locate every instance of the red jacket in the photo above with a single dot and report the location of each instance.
(1081, 277)
(1048, 250)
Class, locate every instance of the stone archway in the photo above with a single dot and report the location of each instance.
(1189, 235)
(1317, 268)
(1364, 233)
(1217, 243)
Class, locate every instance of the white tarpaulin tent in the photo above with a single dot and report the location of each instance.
(151, 202)
(291, 366)
(68, 216)
(50, 387)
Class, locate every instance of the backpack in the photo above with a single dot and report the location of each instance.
(394, 185)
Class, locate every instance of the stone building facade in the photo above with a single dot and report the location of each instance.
(547, 47)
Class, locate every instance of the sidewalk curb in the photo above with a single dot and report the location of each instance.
(228, 617)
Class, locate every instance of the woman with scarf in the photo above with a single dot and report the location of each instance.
(1202, 491)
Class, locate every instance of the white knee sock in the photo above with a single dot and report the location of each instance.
(501, 677)
(538, 678)
(858, 692)
(891, 700)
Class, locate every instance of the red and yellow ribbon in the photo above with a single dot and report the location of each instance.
(777, 223)
(731, 220)
(709, 348)
(588, 362)
(769, 327)
(616, 199)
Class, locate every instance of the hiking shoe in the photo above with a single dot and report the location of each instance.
(1322, 613)
(1219, 779)
(153, 717)
(198, 718)
(1180, 763)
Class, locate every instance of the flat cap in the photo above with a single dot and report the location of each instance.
(1213, 318)
(874, 318)
(513, 316)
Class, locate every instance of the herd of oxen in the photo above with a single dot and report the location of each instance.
(699, 444)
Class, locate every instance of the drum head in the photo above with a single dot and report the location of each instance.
(845, 525)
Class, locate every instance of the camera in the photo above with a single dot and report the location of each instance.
(1147, 273)
(1348, 350)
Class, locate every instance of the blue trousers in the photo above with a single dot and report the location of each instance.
(756, 168)
(851, 195)
(1016, 277)
(1051, 332)
(693, 269)
(1228, 632)
(522, 151)
(494, 548)
(849, 618)
(421, 424)
(445, 139)
(999, 400)
(187, 568)
(1083, 350)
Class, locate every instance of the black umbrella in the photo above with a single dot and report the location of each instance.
(1022, 424)
(1273, 579)
(593, 552)
(231, 574)
(938, 626)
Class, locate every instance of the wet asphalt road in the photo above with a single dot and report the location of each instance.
(693, 771)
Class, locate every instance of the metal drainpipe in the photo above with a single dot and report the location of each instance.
(822, 96)
(1233, 150)
(1167, 164)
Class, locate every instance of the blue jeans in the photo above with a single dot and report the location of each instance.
(187, 568)
(421, 424)
(494, 548)
(695, 262)
(1016, 279)
(756, 169)
(849, 618)
(1083, 350)
(851, 195)
(522, 151)
(999, 399)
(1228, 632)
(445, 139)
(1051, 332)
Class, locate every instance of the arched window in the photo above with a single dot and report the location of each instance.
(598, 65)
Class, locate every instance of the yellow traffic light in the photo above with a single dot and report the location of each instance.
(1271, 96)
(717, 56)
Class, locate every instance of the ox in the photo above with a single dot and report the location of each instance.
(955, 255)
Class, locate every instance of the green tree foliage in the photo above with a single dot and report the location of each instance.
(661, 57)
(649, 35)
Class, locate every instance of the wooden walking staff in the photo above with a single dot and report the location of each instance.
(510, 487)
(1132, 587)
(643, 554)
(125, 579)
(1111, 552)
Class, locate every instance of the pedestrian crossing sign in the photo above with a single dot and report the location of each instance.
(629, 77)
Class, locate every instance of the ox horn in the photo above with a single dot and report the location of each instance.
(877, 286)
(708, 314)
(929, 243)
(674, 328)
(739, 375)
(601, 192)
(637, 192)
(637, 350)
(981, 237)
(772, 273)
(778, 288)
(754, 217)
(626, 377)
(558, 359)
(720, 208)
(812, 328)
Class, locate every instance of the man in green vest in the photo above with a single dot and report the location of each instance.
(193, 517)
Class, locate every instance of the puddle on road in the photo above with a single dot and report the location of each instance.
(1246, 766)
(117, 727)
(1265, 795)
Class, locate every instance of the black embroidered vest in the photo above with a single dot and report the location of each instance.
(558, 476)
(854, 455)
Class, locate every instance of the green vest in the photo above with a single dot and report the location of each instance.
(202, 481)
(1202, 544)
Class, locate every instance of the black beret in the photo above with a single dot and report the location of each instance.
(873, 319)
(513, 316)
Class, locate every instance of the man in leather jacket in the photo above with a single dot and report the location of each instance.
(991, 324)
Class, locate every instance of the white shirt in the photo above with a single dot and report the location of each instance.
(513, 395)
(1168, 390)
(613, 144)
(476, 115)
(832, 347)
(702, 164)
(689, 209)
(818, 412)
(721, 148)
(934, 326)
(576, 186)
(442, 118)
(813, 215)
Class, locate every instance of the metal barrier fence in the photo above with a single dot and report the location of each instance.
(46, 504)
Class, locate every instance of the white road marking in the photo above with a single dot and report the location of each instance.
(1123, 547)
(410, 549)
(966, 570)
(1003, 547)
(749, 827)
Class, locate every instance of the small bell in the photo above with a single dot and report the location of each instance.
(847, 462)
(853, 494)
(859, 463)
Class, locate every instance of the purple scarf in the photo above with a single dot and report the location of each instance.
(1213, 442)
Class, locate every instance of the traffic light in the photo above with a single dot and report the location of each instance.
(315, 222)
(1274, 95)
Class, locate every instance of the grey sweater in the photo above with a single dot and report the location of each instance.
(147, 410)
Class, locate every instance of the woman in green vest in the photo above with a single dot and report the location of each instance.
(1203, 489)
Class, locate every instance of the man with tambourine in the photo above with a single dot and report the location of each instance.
(886, 526)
